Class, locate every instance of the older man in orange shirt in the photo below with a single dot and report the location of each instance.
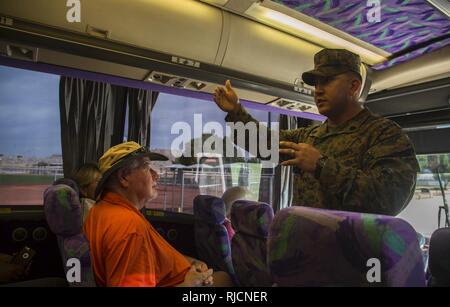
(125, 248)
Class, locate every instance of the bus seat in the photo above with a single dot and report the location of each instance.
(439, 258)
(63, 213)
(211, 236)
(317, 247)
(251, 221)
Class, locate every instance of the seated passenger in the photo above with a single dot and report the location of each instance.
(125, 248)
(87, 177)
(229, 197)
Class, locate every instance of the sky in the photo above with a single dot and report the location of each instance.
(29, 114)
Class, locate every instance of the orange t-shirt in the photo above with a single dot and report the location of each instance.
(126, 250)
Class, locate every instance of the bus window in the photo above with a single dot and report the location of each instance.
(422, 212)
(249, 173)
(193, 173)
(30, 145)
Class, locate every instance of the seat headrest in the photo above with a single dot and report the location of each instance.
(327, 247)
(63, 210)
(209, 209)
(439, 259)
(251, 217)
(71, 183)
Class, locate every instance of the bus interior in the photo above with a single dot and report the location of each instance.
(75, 82)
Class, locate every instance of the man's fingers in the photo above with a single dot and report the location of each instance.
(289, 162)
(201, 266)
(208, 281)
(219, 90)
(290, 145)
(207, 274)
(228, 85)
(193, 268)
(287, 152)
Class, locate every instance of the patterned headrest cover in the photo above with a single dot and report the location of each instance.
(77, 247)
(63, 210)
(209, 209)
(250, 217)
(305, 241)
(71, 183)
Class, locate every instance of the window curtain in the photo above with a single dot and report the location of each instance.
(92, 118)
(140, 105)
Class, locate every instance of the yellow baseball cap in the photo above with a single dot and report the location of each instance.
(119, 155)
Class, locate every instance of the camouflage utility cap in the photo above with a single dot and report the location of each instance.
(332, 62)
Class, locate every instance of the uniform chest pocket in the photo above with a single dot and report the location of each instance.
(350, 152)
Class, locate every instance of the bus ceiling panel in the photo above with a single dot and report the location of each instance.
(445, 75)
(94, 48)
(263, 51)
(430, 141)
(394, 26)
(426, 67)
(88, 46)
(190, 30)
(90, 64)
(185, 27)
(126, 45)
(302, 26)
(416, 98)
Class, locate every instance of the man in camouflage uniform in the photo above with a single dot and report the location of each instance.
(354, 161)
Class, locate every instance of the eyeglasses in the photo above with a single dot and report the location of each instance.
(148, 166)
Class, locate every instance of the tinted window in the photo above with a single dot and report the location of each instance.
(30, 147)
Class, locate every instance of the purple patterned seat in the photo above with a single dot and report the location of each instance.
(211, 236)
(251, 221)
(439, 258)
(316, 247)
(63, 213)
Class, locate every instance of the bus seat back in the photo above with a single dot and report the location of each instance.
(439, 257)
(317, 247)
(63, 214)
(251, 221)
(211, 236)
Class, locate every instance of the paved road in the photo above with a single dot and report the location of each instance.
(11, 195)
(422, 214)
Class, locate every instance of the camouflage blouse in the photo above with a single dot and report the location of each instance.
(371, 165)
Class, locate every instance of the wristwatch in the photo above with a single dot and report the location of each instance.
(319, 166)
